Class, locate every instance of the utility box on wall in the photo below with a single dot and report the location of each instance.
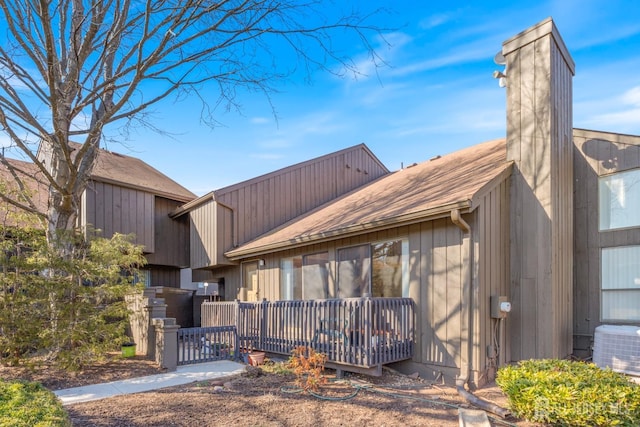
(500, 306)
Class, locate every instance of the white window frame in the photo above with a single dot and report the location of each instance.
(616, 253)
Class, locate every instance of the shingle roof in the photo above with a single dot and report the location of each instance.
(426, 190)
(110, 167)
(131, 172)
(38, 191)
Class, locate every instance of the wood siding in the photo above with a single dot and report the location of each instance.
(439, 268)
(491, 254)
(112, 209)
(266, 202)
(539, 129)
(171, 236)
(211, 234)
(595, 154)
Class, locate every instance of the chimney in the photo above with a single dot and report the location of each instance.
(539, 72)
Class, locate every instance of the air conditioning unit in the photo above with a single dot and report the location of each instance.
(617, 347)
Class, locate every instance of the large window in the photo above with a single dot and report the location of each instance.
(390, 268)
(305, 277)
(354, 271)
(379, 269)
(621, 284)
(619, 199)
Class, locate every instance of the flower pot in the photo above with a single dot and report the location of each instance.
(129, 349)
(256, 358)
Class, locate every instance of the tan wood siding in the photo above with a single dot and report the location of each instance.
(491, 253)
(212, 231)
(203, 235)
(171, 235)
(115, 209)
(267, 203)
(539, 126)
(595, 154)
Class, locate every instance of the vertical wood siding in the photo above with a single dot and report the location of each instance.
(171, 236)
(203, 232)
(539, 119)
(595, 154)
(491, 253)
(263, 204)
(115, 209)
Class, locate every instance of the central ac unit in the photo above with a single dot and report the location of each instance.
(617, 347)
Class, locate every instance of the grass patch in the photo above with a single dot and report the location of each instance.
(29, 404)
(566, 393)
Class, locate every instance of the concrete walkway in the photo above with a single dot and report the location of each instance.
(183, 375)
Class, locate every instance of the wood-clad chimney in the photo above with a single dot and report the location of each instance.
(539, 72)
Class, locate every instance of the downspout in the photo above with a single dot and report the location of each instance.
(466, 347)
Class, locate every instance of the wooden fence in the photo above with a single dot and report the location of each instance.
(357, 332)
(198, 345)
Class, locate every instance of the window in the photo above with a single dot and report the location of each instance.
(291, 278)
(379, 269)
(619, 199)
(390, 268)
(354, 271)
(620, 284)
(315, 276)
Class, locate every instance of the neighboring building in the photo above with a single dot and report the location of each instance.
(546, 219)
(126, 195)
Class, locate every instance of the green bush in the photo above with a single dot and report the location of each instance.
(566, 393)
(29, 404)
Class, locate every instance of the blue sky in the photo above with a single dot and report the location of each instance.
(437, 95)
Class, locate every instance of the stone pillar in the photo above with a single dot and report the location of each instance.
(155, 308)
(166, 343)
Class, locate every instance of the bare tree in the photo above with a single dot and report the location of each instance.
(69, 68)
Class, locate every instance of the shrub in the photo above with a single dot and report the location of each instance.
(308, 366)
(70, 310)
(29, 404)
(566, 393)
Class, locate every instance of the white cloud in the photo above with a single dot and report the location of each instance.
(620, 113)
(434, 21)
(259, 120)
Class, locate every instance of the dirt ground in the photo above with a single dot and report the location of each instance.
(259, 398)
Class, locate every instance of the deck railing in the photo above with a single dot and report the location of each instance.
(363, 332)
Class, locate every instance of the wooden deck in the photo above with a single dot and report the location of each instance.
(356, 334)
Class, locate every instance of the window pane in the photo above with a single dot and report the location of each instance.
(387, 268)
(621, 267)
(621, 283)
(315, 276)
(291, 278)
(619, 198)
(621, 305)
(353, 271)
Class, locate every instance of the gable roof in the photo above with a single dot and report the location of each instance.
(427, 190)
(219, 193)
(131, 172)
(112, 168)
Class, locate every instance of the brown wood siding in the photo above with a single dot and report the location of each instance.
(171, 235)
(268, 203)
(595, 154)
(169, 277)
(115, 209)
(539, 125)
